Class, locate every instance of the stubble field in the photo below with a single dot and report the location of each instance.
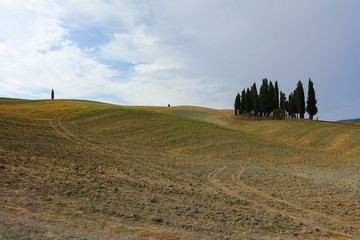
(86, 170)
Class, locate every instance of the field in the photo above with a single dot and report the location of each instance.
(87, 170)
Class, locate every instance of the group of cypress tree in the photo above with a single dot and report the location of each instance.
(269, 100)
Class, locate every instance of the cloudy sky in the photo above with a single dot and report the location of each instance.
(182, 52)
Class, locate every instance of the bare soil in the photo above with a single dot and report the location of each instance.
(92, 171)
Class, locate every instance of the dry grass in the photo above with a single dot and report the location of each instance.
(176, 173)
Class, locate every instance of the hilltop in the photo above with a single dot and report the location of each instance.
(80, 169)
(351, 120)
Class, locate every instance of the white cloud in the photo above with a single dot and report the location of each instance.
(130, 47)
(155, 67)
(35, 56)
(25, 28)
(2, 47)
(111, 14)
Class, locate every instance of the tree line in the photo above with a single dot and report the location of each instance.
(270, 102)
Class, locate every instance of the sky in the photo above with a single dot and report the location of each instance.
(181, 52)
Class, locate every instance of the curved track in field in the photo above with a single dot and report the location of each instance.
(312, 220)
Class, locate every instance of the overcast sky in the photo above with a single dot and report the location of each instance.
(182, 52)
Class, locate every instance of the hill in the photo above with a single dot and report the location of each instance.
(78, 169)
(351, 120)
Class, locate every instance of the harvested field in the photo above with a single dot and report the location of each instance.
(86, 170)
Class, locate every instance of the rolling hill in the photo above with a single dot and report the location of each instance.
(80, 169)
(351, 120)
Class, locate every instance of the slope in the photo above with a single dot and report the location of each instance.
(335, 137)
(126, 172)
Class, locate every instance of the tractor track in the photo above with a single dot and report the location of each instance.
(311, 219)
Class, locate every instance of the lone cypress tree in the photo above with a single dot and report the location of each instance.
(300, 99)
(311, 101)
(52, 94)
(237, 103)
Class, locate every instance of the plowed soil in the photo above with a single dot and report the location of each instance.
(85, 170)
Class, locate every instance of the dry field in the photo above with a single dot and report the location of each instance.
(86, 170)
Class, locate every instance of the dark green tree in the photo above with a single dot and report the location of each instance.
(270, 99)
(261, 97)
(52, 94)
(282, 100)
(300, 99)
(237, 103)
(248, 104)
(286, 106)
(311, 101)
(276, 96)
(243, 102)
(264, 89)
(291, 105)
(255, 99)
(294, 103)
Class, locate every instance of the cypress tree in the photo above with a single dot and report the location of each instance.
(255, 99)
(282, 100)
(286, 105)
(261, 97)
(300, 99)
(248, 104)
(294, 103)
(270, 99)
(52, 94)
(311, 101)
(264, 96)
(237, 103)
(291, 105)
(276, 96)
(243, 101)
